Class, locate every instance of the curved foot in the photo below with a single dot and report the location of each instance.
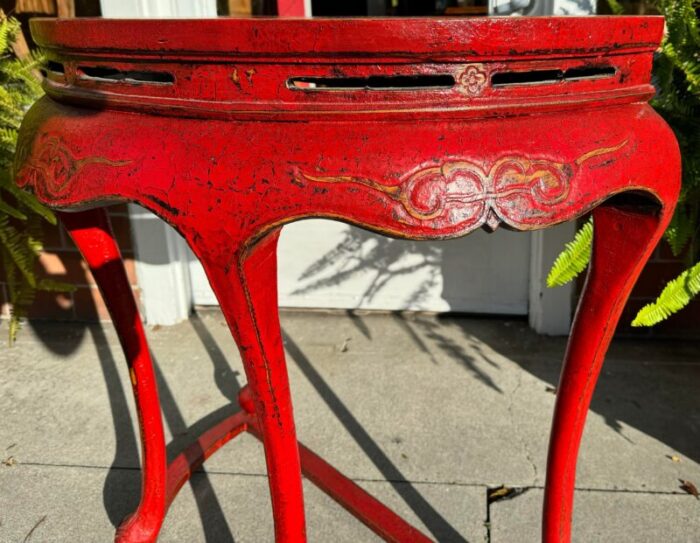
(138, 528)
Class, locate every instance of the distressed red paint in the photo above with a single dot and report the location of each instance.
(229, 129)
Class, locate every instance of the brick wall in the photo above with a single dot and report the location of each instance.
(62, 261)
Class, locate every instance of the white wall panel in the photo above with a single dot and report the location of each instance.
(330, 264)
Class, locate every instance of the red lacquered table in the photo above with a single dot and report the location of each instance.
(421, 129)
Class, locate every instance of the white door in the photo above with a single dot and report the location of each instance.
(330, 264)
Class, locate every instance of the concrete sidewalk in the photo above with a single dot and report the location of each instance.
(426, 413)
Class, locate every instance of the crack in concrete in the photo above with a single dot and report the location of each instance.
(523, 442)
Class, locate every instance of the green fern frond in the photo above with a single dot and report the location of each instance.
(574, 258)
(8, 28)
(52, 285)
(615, 7)
(11, 211)
(23, 71)
(676, 77)
(21, 298)
(21, 214)
(26, 199)
(19, 248)
(674, 297)
(8, 137)
(681, 230)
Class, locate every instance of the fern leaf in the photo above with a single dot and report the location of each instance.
(674, 297)
(19, 249)
(19, 246)
(27, 199)
(615, 7)
(21, 299)
(574, 258)
(8, 28)
(11, 211)
(54, 286)
(680, 231)
(8, 137)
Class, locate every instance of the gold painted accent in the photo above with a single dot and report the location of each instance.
(430, 193)
(52, 165)
(597, 152)
(249, 75)
(236, 78)
(387, 189)
(420, 236)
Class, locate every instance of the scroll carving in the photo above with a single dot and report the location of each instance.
(465, 193)
(51, 167)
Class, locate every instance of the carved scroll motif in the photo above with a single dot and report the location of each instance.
(51, 167)
(465, 193)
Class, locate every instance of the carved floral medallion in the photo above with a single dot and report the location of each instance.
(472, 81)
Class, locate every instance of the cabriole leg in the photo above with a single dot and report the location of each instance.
(624, 238)
(247, 291)
(93, 236)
